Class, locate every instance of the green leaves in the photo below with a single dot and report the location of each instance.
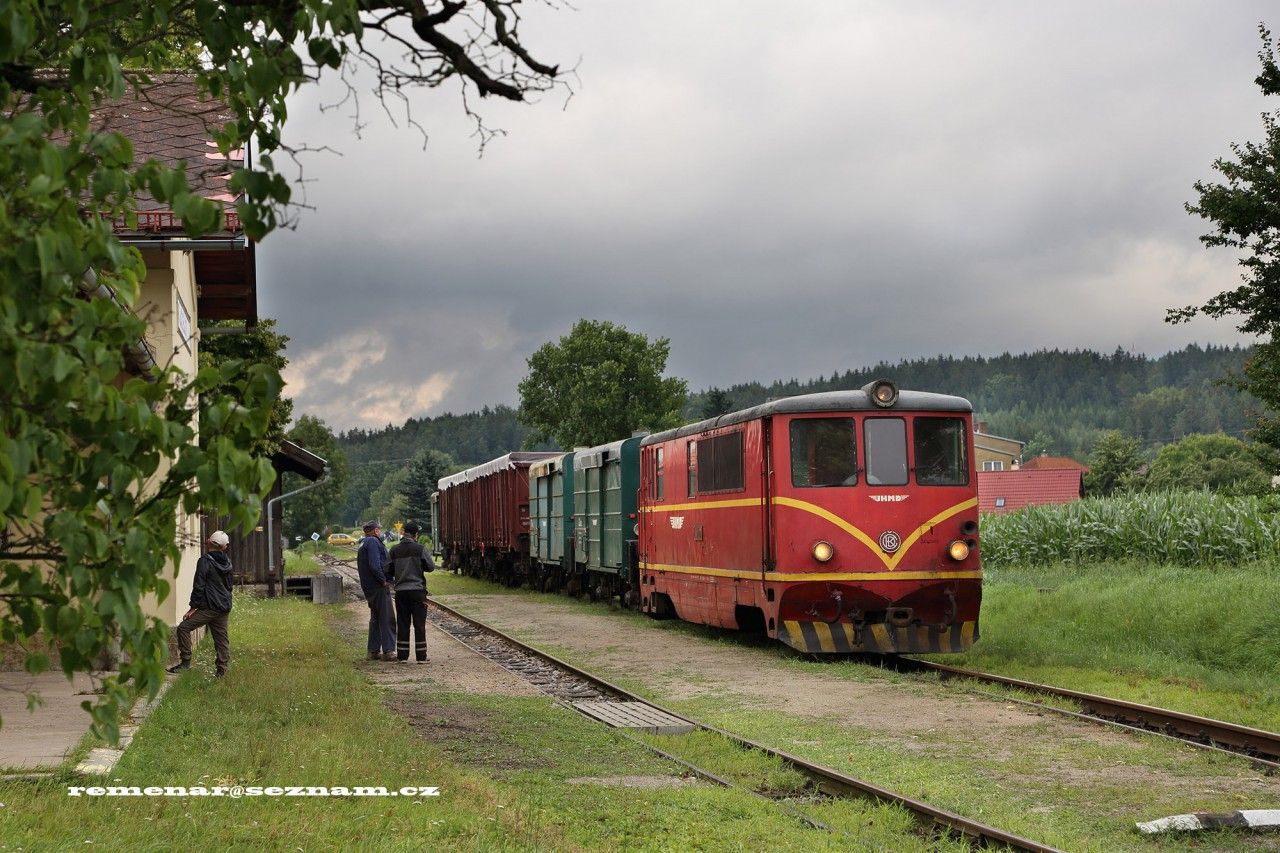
(316, 509)
(93, 469)
(599, 384)
(1245, 213)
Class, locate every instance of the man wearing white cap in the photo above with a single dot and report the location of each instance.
(210, 605)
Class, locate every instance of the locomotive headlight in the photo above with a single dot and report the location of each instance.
(958, 550)
(882, 392)
(823, 551)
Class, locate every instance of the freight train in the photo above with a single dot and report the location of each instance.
(844, 521)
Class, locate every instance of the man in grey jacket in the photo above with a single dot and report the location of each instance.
(210, 605)
(410, 562)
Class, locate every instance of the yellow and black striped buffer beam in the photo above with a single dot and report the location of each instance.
(844, 637)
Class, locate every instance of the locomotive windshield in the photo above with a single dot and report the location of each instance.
(941, 452)
(823, 452)
(886, 450)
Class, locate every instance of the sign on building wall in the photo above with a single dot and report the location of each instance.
(184, 323)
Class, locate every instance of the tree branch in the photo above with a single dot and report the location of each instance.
(508, 40)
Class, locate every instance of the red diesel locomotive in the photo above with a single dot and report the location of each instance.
(838, 522)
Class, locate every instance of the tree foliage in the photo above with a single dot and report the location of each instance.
(261, 345)
(1112, 465)
(1067, 398)
(1218, 463)
(469, 438)
(598, 384)
(718, 403)
(1245, 212)
(362, 479)
(92, 473)
(425, 472)
(1065, 402)
(315, 510)
(87, 511)
(387, 503)
(1041, 444)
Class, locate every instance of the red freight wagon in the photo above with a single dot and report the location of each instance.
(484, 514)
(451, 519)
(835, 522)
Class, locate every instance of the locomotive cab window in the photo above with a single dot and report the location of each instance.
(655, 474)
(719, 464)
(885, 441)
(823, 452)
(941, 449)
(691, 451)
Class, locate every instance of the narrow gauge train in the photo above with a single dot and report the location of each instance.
(834, 522)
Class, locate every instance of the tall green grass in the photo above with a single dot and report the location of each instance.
(1177, 528)
(1204, 640)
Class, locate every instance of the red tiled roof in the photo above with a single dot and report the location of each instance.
(167, 120)
(1002, 491)
(1046, 462)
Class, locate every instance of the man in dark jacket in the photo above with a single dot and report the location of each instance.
(409, 563)
(210, 605)
(371, 563)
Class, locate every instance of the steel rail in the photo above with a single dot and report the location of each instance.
(1258, 745)
(826, 779)
(557, 694)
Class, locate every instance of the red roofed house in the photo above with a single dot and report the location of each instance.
(1004, 491)
(189, 281)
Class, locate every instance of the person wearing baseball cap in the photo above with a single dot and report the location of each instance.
(372, 566)
(210, 605)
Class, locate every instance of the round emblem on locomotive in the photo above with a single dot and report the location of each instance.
(890, 541)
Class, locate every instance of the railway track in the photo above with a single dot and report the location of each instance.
(578, 688)
(1260, 747)
(346, 568)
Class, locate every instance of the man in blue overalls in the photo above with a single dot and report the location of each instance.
(371, 563)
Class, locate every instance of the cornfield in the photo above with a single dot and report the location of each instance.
(1177, 528)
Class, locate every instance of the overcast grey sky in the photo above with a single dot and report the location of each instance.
(782, 190)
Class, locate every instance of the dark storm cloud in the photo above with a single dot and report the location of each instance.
(780, 198)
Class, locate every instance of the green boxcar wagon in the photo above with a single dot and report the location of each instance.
(551, 519)
(606, 482)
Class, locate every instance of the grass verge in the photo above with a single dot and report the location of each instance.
(1203, 641)
(515, 773)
